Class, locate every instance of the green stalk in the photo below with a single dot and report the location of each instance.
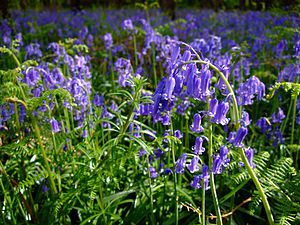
(203, 203)
(151, 196)
(175, 175)
(52, 184)
(283, 125)
(38, 135)
(231, 208)
(135, 51)
(112, 71)
(7, 198)
(154, 63)
(212, 181)
(294, 119)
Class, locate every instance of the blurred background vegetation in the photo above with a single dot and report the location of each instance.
(165, 5)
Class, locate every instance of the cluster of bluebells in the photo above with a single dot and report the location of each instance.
(272, 128)
(184, 83)
(247, 91)
(124, 70)
(48, 76)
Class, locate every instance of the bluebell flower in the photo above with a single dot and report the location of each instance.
(239, 137)
(249, 152)
(158, 153)
(22, 113)
(278, 117)
(278, 138)
(169, 87)
(175, 51)
(168, 171)
(127, 25)
(245, 120)
(280, 47)
(196, 126)
(198, 149)
(33, 51)
(205, 83)
(297, 49)
(264, 124)
(135, 130)
(247, 91)
(85, 133)
(289, 73)
(45, 188)
(54, 125)
(4, 113)
(220, 160)
(213, 105)
(193, 166)
(190, 79)
(178, 134)
(178, 84)
(180, 163)
(98, 100)
(205, 176)
(166, 119)
(221, 112)
(153, 173)
(196, 182)
(142, 152)
(182, 107)
(37, 92)
(31, 77)
(123, 68)
(108, 40)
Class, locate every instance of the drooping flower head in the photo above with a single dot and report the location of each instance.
(54, 125)
(153, 173)
(198, 149)
(196, 126)
(193, 166)
(221, 112)
(264, 124)
(278, 117)
(127, 25)
(247, 91)
(108, 40)
(237, 140)
(245, 120)
(196, 182)
(220, 160)
(180, 163)
(213, 105)
(205, 176)
(178, 134)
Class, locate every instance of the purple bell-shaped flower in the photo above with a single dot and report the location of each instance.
(239, 137)
(198, 149)
(196, 126)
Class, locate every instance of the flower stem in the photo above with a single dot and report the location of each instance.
(154, 63)
(212, 181)
(294, 119)
(203, 203)
(38, 135)
(151, 196)
(175, 175)
(112, 70)
(135, 51)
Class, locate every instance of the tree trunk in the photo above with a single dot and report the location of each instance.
(4, 8)
(168, 7)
